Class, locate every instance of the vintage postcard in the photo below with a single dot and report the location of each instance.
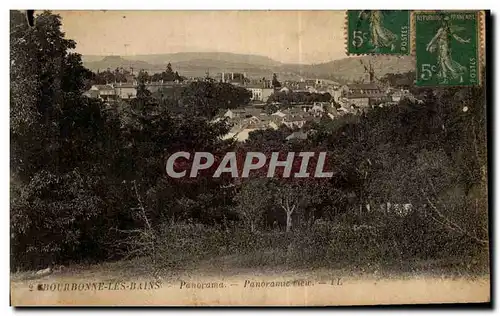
(248, 158)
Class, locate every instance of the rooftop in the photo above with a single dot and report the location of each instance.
(162, 84)
(124, 85)
(364, 95)
(363, 86)
(297, 135)
(256, 86)
(103, 87)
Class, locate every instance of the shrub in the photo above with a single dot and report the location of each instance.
(43, 230)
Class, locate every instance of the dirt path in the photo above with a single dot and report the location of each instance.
(110, 284)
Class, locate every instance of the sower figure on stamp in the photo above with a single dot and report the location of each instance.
(380, 36)
(448, 68)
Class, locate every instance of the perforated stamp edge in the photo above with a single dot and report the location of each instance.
(346, 38)
(481, 37)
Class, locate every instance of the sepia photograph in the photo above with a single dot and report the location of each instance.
(249, 158)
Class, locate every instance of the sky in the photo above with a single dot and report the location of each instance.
(286, 36)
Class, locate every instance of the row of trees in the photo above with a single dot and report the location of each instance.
(108, 76)
(122, 75)
(168, 75)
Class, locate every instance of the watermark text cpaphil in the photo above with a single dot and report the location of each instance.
(243, 165)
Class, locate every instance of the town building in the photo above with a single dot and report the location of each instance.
(285, 90)
(259, 92)
(125, 90)
(242, 112)
(128, 90)
(104, 92)
(362, 95)
(235, 78)
(298, 135)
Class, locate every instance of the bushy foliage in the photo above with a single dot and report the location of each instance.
(52, 214)
(73, 159)
(204, 98)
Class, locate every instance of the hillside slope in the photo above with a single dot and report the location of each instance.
(198, 64)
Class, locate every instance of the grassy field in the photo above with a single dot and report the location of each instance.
(234, 267)
(236, 264)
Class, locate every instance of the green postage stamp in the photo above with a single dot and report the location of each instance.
(447, 48)
(378, 32)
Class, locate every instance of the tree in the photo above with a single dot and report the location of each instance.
(251, 201)
(272, 108)
(275, 82)
(60, 142)
(169, 70)
(292, 196)
(177, 77)
(431, 156)
(169, 75)
(267, 140)
(207, 98)
(143, 76)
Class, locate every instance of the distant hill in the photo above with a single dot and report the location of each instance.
(197, 64)
(351, 68)
(114, 62)
(256, 60)
(188, 64)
